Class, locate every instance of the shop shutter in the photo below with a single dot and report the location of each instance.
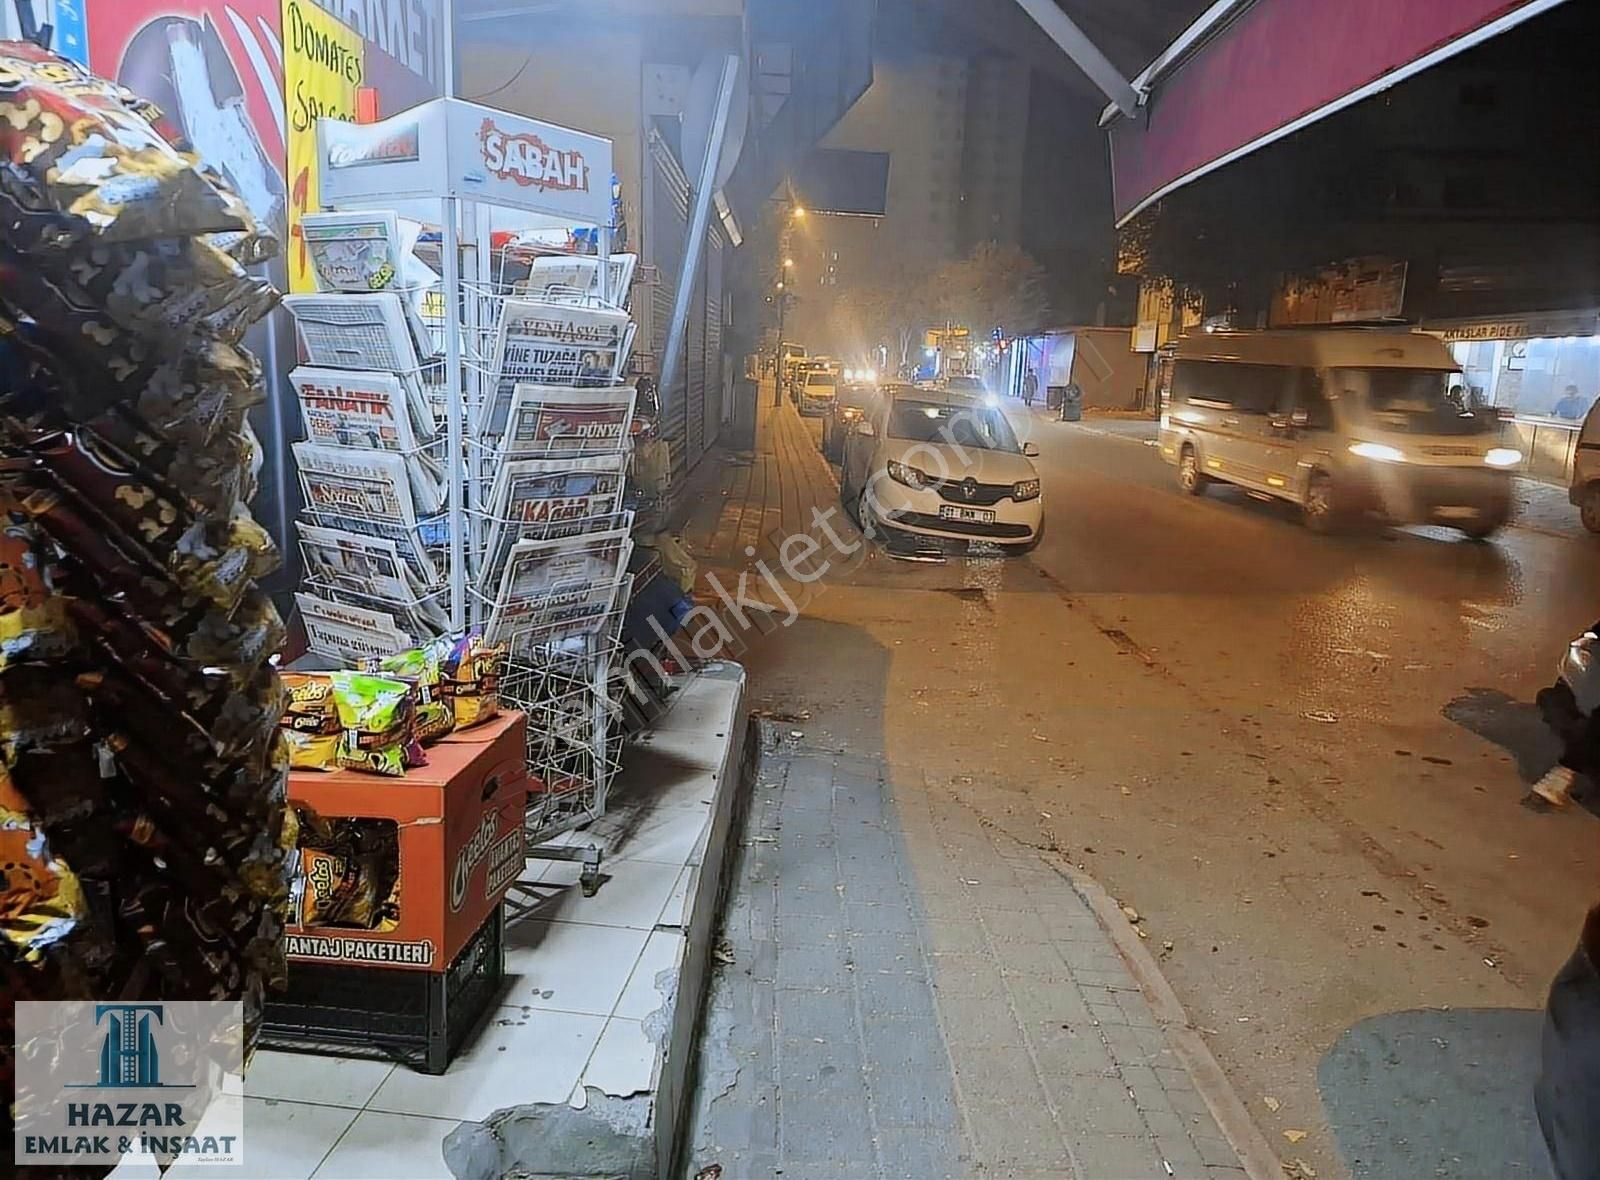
(666, 233)
(716, 253)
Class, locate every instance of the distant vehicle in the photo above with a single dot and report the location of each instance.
(1585, 490)
(965, 383)
(839, 419)
(818, 391)
(944, 466)
(1340, 423)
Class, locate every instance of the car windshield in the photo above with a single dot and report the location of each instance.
(962, 425)
(819, 379)
(1418, 401)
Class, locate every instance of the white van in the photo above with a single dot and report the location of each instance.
(1340, 422)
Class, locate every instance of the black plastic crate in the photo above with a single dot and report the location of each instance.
(419, 1018)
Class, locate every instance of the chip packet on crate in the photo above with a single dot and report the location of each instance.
(377, 723)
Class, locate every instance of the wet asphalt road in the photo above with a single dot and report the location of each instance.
(1301, 759)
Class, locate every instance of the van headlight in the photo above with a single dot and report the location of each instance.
(1378, 452)
(1503, 457)
(1025, 489)
(907, 474)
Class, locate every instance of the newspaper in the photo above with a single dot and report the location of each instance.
(354, 567)
(543, 499)
(560, 277)
(549, 343)
(366, 411)
(366, 333)
(349, 633)
(372, 251)
(552, 589)
(367, 492)
(546, 421)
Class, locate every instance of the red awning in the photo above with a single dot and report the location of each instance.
(1280, 65)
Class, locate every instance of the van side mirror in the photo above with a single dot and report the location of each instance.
(1031, 450)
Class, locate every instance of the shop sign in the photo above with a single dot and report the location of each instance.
(323, 69)
(1361, 290)
(333, 948)
(1144, 337)
(352, 146)
(531, 162)
(1518, 328)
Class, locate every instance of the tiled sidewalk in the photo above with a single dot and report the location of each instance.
(914, 995)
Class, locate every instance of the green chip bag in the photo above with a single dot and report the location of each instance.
(422, 668)
(375, 715)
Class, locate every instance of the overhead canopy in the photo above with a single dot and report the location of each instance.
(1278, 66)
(453, 148)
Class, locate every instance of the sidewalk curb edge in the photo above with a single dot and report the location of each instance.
(1227, 1108)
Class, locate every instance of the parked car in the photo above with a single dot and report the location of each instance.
(1585, 490)
(839, 419)
(818, 392)
(944, 466)
(1339, 422)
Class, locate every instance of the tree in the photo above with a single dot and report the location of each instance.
(994, 287)
(890, 309)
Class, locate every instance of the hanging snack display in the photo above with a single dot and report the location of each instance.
(143, 828)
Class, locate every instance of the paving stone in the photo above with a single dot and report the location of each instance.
(807, 1016)
(1002, 1074)
(964, 938)
(813, 967)
(809, 929)
(1039, 960)
(901, 1099)
(1070, 1054)
(1017, 1133)
(1014, 927)
(897, 997)
(966, 976)
(865, 918)
(1117, 1157)
(919, 1153)
(981, 1022)
(822, 898)
(1101, 1105)
(1214, 1150)
(900, 953)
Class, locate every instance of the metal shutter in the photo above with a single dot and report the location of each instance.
(716, 256)
(666, 234)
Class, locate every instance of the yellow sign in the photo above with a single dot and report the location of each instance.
(324, 67)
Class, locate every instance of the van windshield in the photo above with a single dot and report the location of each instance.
(1419, 401)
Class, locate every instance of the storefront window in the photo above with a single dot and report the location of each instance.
(1547, 377)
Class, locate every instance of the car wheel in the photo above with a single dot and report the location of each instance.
(1482, 530)
(1321, 509)
(1191, 479)
(1589, 508)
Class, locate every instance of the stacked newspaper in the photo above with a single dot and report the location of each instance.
(371, 469)
(555, 541)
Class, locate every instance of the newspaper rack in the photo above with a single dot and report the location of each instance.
(434, 370)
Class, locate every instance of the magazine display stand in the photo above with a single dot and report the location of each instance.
(467, 425)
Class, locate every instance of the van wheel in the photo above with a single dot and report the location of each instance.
(1191, 479)
(1589, 508)
(1320, 510)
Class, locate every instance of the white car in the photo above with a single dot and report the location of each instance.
(941, 465)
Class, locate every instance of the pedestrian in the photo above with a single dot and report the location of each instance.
(1572, 406)
(1030, 388)
(1567, 1094)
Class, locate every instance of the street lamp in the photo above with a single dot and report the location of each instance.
(800, 212)
(788, 264)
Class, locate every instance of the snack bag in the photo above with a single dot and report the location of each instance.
(349, 873)
(41, 901)
(310, 724)
(421, 667)
(471, 680)
(376, 719)
(83, 161)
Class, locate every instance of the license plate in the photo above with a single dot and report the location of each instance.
(1456, 512)
(967, 515)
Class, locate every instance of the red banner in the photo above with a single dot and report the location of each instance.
(1282, 63)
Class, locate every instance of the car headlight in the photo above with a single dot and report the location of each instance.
(908, 475)
(850, 413)
(1503, 457)
(1025, 489)
(1378, 452)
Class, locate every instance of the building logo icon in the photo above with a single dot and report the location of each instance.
(129, 1056)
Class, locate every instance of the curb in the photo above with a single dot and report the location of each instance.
(1232, 1117)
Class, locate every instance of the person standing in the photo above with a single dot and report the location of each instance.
(1030, 388)
(1572, 406)
(1567, 1093)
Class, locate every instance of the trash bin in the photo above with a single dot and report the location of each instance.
(1071, 404)
(1053, 396)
